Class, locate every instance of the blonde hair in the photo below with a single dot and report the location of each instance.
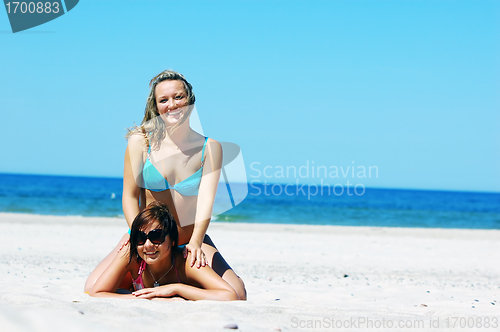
(152, 126)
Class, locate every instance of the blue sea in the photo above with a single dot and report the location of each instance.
(97, 196)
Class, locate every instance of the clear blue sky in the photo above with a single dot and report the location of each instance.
(412, 87)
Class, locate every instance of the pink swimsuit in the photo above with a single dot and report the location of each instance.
(139, 284)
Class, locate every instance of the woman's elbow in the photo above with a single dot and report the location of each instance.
(94, 292)
(229, 295)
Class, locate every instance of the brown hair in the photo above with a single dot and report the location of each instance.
(156, 211)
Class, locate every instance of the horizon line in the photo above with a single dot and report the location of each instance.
(271, 183)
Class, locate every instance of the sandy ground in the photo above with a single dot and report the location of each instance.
(315, 278)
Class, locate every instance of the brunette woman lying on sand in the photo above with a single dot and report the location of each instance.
(158, 269)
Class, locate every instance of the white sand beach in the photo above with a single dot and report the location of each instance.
(297, 277)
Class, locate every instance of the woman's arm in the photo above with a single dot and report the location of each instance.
(213, 287)
(111, 278)
(206, 198)
(185, 291)
(132, 177)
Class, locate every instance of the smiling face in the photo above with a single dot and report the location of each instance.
(155, 216)
(154, 253)
(171, 101)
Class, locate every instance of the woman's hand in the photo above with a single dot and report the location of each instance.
(197, 255)
(161, 291)
(123, 242)
(168, 299)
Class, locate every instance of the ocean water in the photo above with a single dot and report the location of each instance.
(96, 196)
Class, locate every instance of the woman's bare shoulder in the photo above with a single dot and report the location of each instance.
(215, 146)
(137, 138)
(137, 141)
(211, 140)
(124, 257)
(124, 252)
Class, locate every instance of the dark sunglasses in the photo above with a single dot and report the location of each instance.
(156, 236)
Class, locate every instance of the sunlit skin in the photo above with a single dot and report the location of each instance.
(195, 283)
(177, 158)
(171, 100)
(155, 255)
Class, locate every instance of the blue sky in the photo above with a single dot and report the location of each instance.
(411, 87)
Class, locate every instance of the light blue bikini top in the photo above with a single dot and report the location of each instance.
(154, 181)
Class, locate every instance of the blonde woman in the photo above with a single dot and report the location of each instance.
(167, 161)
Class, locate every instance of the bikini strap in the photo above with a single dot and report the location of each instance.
(142, 267)
(203, 152)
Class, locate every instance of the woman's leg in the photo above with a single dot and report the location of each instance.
(222, 268)
(103, 265)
